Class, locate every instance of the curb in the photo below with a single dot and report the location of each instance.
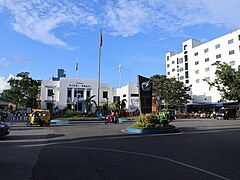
(65, 122)
(147, 131)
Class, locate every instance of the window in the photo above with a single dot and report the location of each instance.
(197, 80)
(50, 92)
(231, 52)
(197, 72)
(205, 50)
(232, 63)
(207, 59)
(105, 94)
(218, 56)
(239, 37)
(168, 65)
(208, 79)
(186, 66)
(217, 46)
(197, 62)
(180, 60)
(167, 58)
(168, 73)
(173, 62)
(124, 95)
(69, 92)
(181, 69)
(207, 69)
(196, 54)
(116, 99)
(181, 77)
(78, 93)
(88, 93)
(186, 58)
(187, 81)
(173, 69)
(185, 47)
(186, 74)
(230, 41)
(134, 95)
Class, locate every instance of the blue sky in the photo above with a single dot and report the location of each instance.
(40, 36)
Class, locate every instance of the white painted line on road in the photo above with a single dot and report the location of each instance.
(146, 155)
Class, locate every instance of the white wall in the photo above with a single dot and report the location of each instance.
(201, 91)
(60, 90)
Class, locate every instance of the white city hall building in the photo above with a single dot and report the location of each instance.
(194, 63)
(66, 92)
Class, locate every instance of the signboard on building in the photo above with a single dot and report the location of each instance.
(78, 85)
(145, 94)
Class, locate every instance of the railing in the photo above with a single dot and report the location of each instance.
(16, 118)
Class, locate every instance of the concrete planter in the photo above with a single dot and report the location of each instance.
(150, 131)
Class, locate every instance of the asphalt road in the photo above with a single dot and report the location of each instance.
(205, 149)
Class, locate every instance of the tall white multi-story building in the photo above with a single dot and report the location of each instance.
(194, 63)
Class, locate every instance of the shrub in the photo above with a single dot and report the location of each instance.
(147, 120)
(164, 122)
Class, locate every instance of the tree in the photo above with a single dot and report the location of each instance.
(89, 101)
(123, 104)
(23, 90)
(227, 81)
(169, 91)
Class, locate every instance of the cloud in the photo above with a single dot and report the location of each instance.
(226, 12)
(4, 63)
(128, 17)
(19, 59)
(4, 83)
(37, 19)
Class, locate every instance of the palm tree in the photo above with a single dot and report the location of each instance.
(89, 101)
(123, 104)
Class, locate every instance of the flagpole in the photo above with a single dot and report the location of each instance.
(99, 63)
(120, 75)
(76, 68)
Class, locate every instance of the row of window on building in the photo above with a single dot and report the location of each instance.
(197, 62)
(218, 56)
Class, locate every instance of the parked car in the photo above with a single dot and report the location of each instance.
(227, 113)
(4, 129)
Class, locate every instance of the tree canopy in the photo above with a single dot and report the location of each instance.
(169, 91)
(227, 81)
(23, 90)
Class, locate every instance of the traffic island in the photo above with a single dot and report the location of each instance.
(151, 124)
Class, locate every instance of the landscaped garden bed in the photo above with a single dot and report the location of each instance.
(151, 123)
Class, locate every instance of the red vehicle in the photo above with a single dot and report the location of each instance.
(112, 118)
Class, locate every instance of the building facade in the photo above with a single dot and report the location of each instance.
(130, 93)
(68, 91)
(194, 64)
(71, 93)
